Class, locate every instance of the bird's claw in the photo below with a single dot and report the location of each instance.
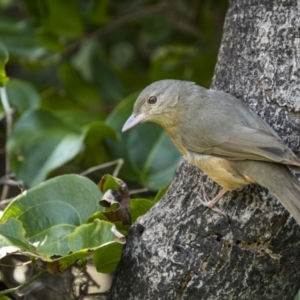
(206, 202)
(210, 203)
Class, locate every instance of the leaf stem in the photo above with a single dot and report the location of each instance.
(9, 120)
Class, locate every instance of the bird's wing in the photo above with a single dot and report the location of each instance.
(229, 129)
(246, 143)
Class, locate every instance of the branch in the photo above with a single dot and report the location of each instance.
(118, 23)
(118, 162)
(12, 290)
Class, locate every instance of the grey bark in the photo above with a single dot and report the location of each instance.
(181, 250)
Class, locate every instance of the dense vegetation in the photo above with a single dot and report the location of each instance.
(75, 69)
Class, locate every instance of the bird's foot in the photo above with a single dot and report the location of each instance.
(210, 203)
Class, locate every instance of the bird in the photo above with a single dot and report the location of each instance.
(220, 135)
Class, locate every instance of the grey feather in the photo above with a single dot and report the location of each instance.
(219, 134)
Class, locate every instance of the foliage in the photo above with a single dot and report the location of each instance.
(60, 222)
(75, 69)
(68, 72)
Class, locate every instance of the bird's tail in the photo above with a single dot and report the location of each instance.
(290, 199)
(282, 184)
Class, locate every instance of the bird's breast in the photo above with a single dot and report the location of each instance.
(220, 170)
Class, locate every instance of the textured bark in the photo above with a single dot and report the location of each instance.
(181, 250)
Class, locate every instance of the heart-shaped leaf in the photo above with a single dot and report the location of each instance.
(41, 142)
(88, 238)
(51, 211)
(20, 40)
(56, 21)
(22, 95)
(106, 259)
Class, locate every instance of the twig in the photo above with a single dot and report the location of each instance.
(5, 201)
(118, 23)
(137, 191)
(16, 265)
(15, 289)
(118, 162)
(8, 112)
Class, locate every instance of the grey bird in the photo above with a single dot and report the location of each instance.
(220, 135)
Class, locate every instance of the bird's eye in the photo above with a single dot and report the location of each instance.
(152, 100)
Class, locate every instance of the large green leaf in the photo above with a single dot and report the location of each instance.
(41, 142)
(87, 238)
(92, 63)
(149, 155)
(106, 259)
(22, 95)
(51, 211)
(95, 152)
(63, 18)
(20, 39)
(77, 88)
(98, 12)
(80, 117)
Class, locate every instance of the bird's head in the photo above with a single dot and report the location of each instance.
(158, 102)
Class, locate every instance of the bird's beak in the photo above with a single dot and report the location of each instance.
(133, 120)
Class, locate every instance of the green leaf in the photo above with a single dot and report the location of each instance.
(95, 152)
(51, 211)
(50, 40)
(22, 95)
(40, 142)
(73, 112)
(139, 207)
(149, 155)
(12, 237)
(297, 296)
(57, 21)
(3, 297)
(91, 236)
(20, 40)
(98, 71)
(97, 215)
(106, 259)
(97, 236)
(77, 88)
(78, 117)
(161, 193)
(109, 182)
(98, 13)
(3, 62)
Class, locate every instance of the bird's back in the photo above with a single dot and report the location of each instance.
(216, 123)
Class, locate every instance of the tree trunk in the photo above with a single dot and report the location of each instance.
(182, 250)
